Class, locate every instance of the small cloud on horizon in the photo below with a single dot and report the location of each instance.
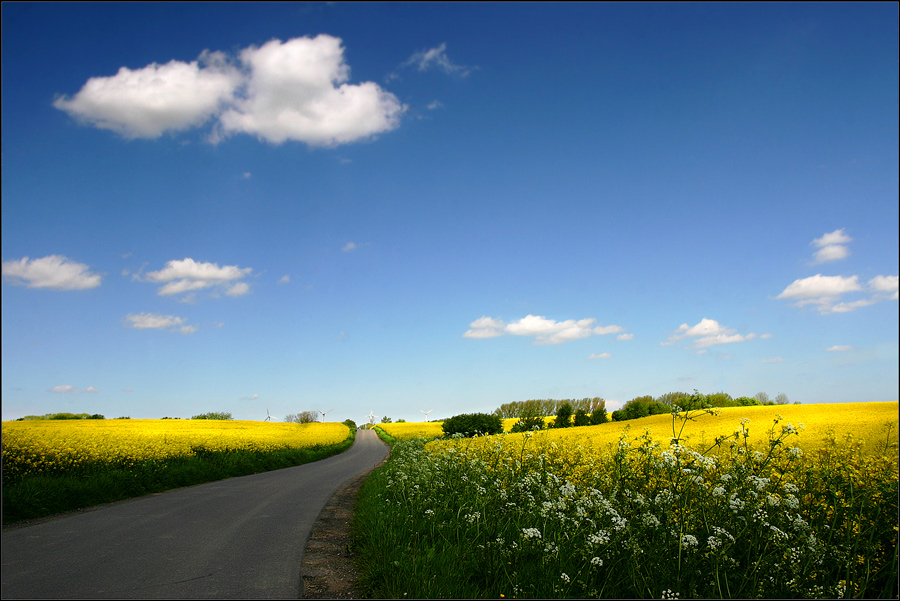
(544, 331)
(55, 272)
(66, 388)
(155, 321)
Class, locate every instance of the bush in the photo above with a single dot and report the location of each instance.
(641, 407)
(528, 424)
(470, 424)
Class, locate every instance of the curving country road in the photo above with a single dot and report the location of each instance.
(241, 538)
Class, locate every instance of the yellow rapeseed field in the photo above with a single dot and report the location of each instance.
(53, 446)
(407, 430)
(873, 425)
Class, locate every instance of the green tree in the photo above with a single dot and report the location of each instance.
(598, 415)
(720, 399)
(782, 399)
(304, 417)
(582, 418)
(470, 424)
(563, 416)
(640, 407)
(763, 398)
(213, 415)
(672, 398)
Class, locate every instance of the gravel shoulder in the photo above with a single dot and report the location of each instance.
(329, 568)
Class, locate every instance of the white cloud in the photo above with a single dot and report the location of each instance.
(298, 90)
(831, 246)
(485, 327)
(817, 287)
(885, 283)
(293, 90)
(349, 247)
(144, 321)
(55, 272)
(824, 292)
(835, 237)
(239, 289)
(545, 331)
(285, 279)
(189, 275)
(773, 360)
(847, 307)
(625, 337)
(839, 348)
(708, 332)
(600, 356)
(145, 103)
(831, 253)
(69, 388)
(602, 330)
(436, 58)
(434, 104)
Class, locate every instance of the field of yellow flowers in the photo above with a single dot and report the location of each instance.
(791, 501)
(428, 430)
(57, 465)
(43, 447)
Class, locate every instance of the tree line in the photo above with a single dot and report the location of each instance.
(547, 407)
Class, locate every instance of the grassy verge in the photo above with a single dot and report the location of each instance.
(40, 496)
(651, 521)
(387, 438)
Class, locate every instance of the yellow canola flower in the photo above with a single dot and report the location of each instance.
(407, 430)
(40, 446)
(579, 452)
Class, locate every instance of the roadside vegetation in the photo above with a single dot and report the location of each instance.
(748, 501)
(54, 466)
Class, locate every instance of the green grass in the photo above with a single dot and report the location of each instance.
(40, 496)
(654, 521)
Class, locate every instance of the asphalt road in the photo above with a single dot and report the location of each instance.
(241, 538)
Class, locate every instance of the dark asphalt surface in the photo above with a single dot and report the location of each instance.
(241, 538)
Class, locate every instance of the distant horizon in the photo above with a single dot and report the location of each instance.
(609, 408)
(252, 207)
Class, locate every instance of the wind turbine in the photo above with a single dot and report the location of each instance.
(268, 416)
(371, 417)
(426, 413)
(324, 412)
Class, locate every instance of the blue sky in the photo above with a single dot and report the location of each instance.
(407, 207)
